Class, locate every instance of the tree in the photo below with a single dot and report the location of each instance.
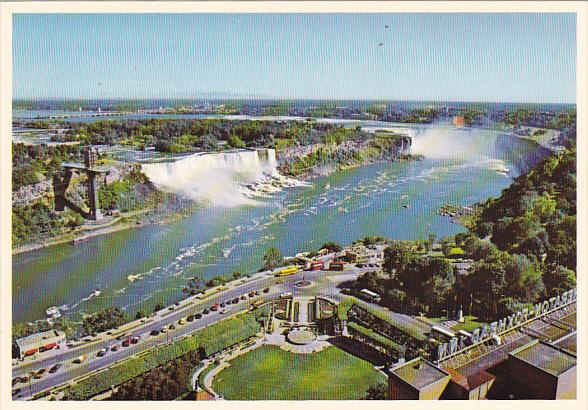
(140, 314)
(236, 142)
(158, 307)
(237, 275)
(523, 278)
(209, 142)
(558, 279)
(396, 257)
(486, 285)
(332, 247)
(104, 320)
(377, 392)
(272, 259)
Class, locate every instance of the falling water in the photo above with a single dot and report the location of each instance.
(221, 179)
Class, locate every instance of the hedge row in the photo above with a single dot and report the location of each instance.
(213, 339)
(378, 338)
(345, 305)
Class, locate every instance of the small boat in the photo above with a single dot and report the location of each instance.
(96, 292)
(52, 311)
(406, 206)
(327, 186)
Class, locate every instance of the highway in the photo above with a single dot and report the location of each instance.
(325, 283)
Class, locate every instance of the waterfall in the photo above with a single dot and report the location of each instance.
(220, 179)
(485, 147)
(444, 141)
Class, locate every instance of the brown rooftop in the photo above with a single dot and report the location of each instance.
(546, 357)
(472, 381)
(419, 373)
(568, 343)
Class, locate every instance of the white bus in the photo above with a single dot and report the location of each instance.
(370, 296)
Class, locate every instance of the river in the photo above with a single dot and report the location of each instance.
(137, 268)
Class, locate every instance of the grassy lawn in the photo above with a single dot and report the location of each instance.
(471, 323)
(269, 373)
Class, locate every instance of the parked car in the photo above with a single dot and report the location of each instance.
(172, 327)
(206, 311)
(55, 368)
(266, 290)
(114, 348)
(235, 301)
(120, 337)
(226, 310)
(214, 307)
(251, 294)
(154, 332)
(102, 352)
(24, 379)
(15, 381)
(126, 343)
(223, 304)
(16, 391)
(135, 340)
(243, 297)
(40, 373)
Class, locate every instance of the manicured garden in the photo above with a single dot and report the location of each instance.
(212, 339)
(269, 373)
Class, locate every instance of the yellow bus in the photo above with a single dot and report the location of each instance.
(290, 270)
(258, 303)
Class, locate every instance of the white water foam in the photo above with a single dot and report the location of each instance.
(223, 179)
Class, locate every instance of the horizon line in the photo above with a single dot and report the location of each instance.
(18, 99)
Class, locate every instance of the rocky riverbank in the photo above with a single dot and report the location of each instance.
(311, 161)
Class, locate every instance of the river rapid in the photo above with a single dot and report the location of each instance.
(137, 268)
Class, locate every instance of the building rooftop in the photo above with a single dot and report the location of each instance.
(471, 381)
(474, 360)
(546, 357)
(39, 339)
(419, 373)
(568, 343)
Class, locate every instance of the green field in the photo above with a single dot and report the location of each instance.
(269, 373)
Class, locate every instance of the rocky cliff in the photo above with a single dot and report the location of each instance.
(314, 160)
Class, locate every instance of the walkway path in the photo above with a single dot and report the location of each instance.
(223, 359)
(303, 312)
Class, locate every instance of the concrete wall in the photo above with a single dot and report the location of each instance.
(567, 385)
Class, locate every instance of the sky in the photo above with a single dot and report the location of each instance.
(497, 57)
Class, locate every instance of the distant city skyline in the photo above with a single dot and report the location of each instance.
(494, 57)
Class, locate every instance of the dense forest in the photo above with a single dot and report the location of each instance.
(33, 163)
(187, 135)
(521, 248)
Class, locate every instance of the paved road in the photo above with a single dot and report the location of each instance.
(65, 356)
(325, 283)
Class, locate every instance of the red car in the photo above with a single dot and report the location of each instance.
(214, 307)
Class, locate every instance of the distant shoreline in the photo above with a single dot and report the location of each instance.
(86, 232)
